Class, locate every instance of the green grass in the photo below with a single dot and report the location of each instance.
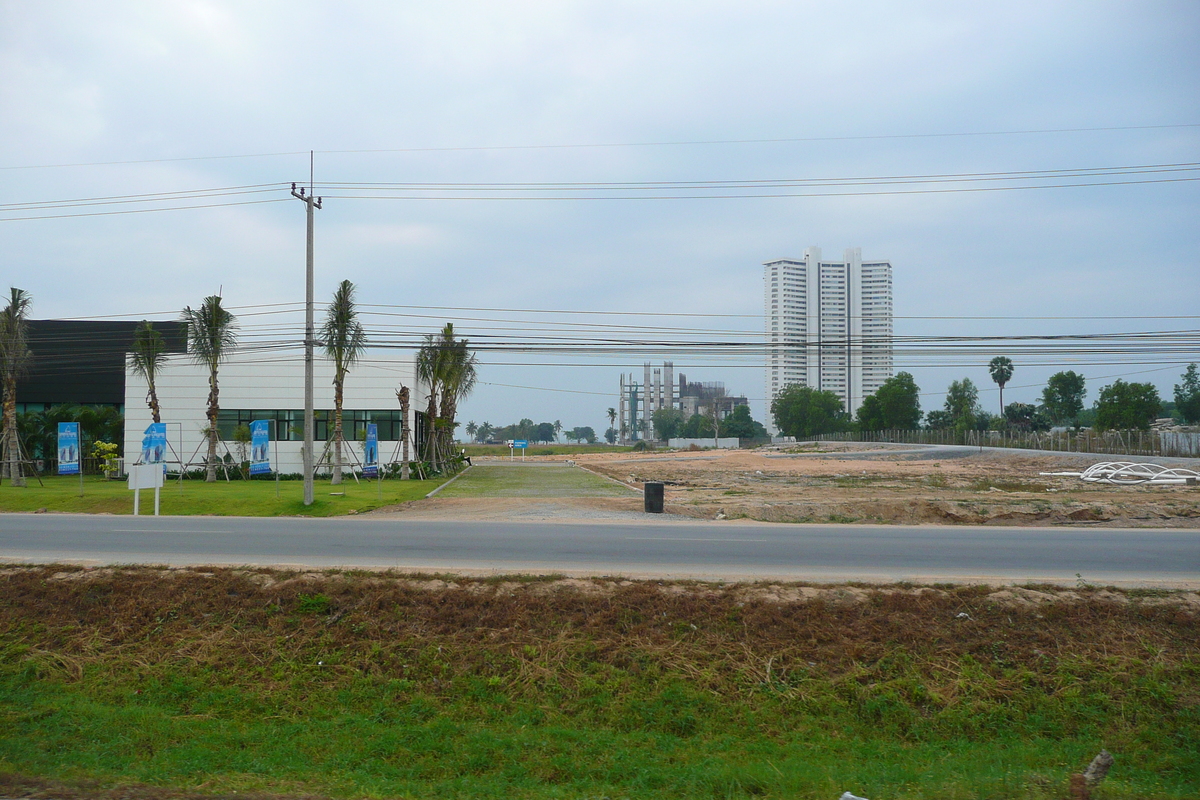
(215, 682)
(236, 498)
(533, 480)
(543, 449)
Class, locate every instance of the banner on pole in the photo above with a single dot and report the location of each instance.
(260, 447)
(154, 443)
(371, 452)
(68, 448)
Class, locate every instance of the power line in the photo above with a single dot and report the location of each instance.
(678, 143)
(1133, 169)
(144, 210)
(693, 190)
(762, 196)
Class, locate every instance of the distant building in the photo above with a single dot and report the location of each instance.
(702, 398)
(828, 324)
(637, 402)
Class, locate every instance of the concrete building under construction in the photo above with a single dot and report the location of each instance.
(659, 389)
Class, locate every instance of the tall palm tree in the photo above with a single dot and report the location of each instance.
(402, 394)
(345, 341)
(429, 360)
(458, 380)
(211, 334)
(448, 367)
(472, 429)
(557, 429)
(14, 360)
(146, 358)
(1001, 369)
(612, 418)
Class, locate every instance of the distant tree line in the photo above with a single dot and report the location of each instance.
(530, 431)
(803, 411)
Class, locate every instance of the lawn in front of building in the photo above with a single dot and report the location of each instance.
(257, 498)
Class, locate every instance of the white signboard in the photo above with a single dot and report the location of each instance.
(146, 476)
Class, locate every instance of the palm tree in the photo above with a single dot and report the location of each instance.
(211, 334)
(472, 429)
(402, 394)
(345, 341)
(1001, 368)
(612, 418)
(448, 368)
(429, 359)
(146, 358)
(14, 360)
(557, 429)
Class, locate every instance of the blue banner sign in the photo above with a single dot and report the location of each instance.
(371, 452)
(260, 447)
(521, 443)
(154, 443)
(68, 448)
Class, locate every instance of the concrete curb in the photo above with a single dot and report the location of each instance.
(452, 480)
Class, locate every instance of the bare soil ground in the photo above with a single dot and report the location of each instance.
(902, 484)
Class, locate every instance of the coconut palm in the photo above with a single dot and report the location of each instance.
(345, 341)
(612, 418)
(448, 368)
(14, 360)
(145, 359)
(1001, 369)
(458, 379)
(402, 394)
(557, 428)
(472, 429)
(211, 334)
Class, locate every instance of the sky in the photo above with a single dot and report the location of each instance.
(126, 98)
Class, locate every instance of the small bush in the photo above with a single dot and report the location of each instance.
(317, 604)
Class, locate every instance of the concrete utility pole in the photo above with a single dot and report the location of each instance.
(310, 203)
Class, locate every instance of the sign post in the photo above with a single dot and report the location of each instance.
(154, 445)
(145, 476)
(515, 443)
(69, 454)
(260, 450)
(371, 456)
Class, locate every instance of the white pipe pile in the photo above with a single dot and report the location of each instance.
(1129, 473)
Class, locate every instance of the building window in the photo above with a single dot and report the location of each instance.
(289, 424)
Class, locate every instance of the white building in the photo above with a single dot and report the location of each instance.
(258, 385)
(828, 324)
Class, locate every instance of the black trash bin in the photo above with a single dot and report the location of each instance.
(654, 497)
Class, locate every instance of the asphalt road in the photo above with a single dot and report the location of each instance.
(672, 548)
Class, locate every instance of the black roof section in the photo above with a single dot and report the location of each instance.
(84, 361)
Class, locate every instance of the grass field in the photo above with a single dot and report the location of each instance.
(532, 480)
(236, 498)
(373, 686)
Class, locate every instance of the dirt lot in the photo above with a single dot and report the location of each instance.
(895, 484)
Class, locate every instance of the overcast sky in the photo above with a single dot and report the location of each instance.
(202, 95)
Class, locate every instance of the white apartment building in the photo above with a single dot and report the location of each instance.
(828, 324)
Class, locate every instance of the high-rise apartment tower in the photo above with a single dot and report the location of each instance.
(828, 324)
